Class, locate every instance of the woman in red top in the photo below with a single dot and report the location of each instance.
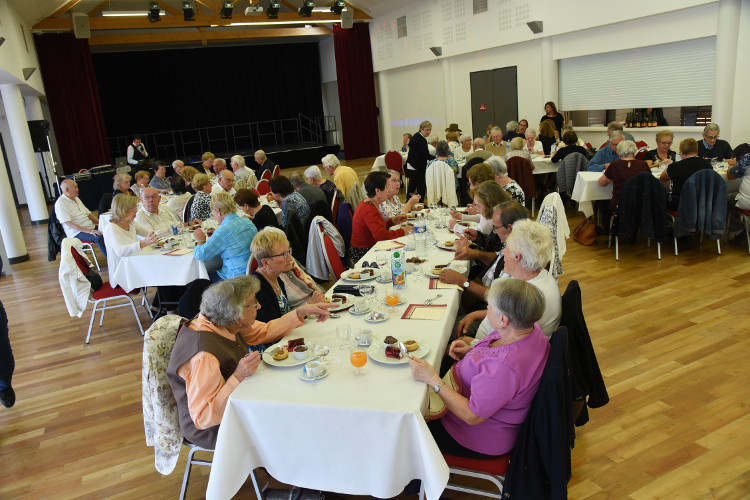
(623, 169)
(368, 226)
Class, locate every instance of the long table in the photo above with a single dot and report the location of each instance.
(360, 435)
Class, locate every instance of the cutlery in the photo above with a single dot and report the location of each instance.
(429, 301)
(404, 351)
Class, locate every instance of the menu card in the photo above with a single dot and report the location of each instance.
(388, 245)
(421, 311)
(436, 284)
(180, 251)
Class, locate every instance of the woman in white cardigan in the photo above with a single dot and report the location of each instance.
(121, 235)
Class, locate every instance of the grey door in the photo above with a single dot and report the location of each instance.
(494, 98)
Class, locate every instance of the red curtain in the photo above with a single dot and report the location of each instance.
(73, 98)
(359, 114)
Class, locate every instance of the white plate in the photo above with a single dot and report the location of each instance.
(343, 306)
(383, 278)
(367, 277)
(378, 353)
(303, 376)
(358, 312)
(427, 271)
(441, 244)
(290, 360)
(384, 318)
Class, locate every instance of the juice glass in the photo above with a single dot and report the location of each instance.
(358, 358)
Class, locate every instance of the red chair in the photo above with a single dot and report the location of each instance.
(252, 265)
(642, 145)
(521, 170)
(492, 470)
(641, 153)
(263, 188)
(588, 145)
(334, 206)
(105, 293)
(255, 191)
(276, 172)
(266, 175)
(393, 161)
(600, 147)
(333, 259)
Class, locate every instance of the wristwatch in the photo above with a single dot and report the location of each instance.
(437, 388)
(466, 284)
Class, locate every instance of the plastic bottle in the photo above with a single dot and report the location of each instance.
(420, 236)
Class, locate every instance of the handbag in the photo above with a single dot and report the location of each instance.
(585, 232)
(436, 406)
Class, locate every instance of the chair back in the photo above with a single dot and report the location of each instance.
(441, 184)
(276, 171)
(252, 265)
(344, 218)
(263, 187)
(588, 145)
(266, 175)
(641, 153)
(521, 170)
(240, 184)
(642, 206)
(393, 161)
(703, 205)
(463, 181)
(187, 209)
(255, 191)
(333, 260)
(641, 145)
(552, 215)
(81, 261)
(568, 171)
(334, 206)
(355, 195)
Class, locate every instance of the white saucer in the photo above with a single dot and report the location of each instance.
(359, 312)
(303, 376)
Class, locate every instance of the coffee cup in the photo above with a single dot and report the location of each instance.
(365, 337)
(167, 245)
(313, 369)
(301, 352)
(409, 267)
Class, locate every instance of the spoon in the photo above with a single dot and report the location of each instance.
(429, 301)
(404, 351)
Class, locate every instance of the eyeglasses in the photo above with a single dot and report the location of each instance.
(288, 253)
(253, 303)
(506, 226)
(711, 137)
(666, 143)
(371, 265)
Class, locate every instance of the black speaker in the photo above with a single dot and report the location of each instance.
(39, 130)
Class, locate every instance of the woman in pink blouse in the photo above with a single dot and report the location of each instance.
(497, 378)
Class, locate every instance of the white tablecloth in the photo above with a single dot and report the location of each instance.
(354, 435)
(151, 267)
(544, 165)
(379, 163)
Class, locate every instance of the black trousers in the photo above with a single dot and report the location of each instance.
(417, 183)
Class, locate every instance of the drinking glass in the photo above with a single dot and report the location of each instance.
(342, 333)
(358, 358)
(321, 349)
(417, 274)
(366, 291)
(382, 261)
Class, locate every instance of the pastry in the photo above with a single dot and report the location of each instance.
(436, 271)
(449, 243)
(411, 345)
(367, 271)
(294, 343)
(281, 355)
(390, 340)
(354, 275)
(339, 298)
(393, 352)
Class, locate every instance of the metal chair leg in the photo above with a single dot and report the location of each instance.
(186, 476)
(617, 247)
(91, 323)
(675, 245)
(101, 317)
(718, 245)
(658, 249)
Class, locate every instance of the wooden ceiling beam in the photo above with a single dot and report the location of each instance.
(96, 10)
(204, 37)
(169, 9)
(177, 21)
(65, 8)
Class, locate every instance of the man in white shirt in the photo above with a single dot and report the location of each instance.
(76, 219)
(136, 152)
(151, 216)
(225, 184)
(241, 171)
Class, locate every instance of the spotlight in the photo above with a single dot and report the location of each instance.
(226, 9)
(438, 51)
(536, 27)
(188, 10)
(154, 12)
(27, 72)
(338, 6)
(2, 40)
(273, 9)
(307, 8)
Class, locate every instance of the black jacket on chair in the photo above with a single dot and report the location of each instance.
(642, 205)
(541, 467)
(295, 233)
(55, 235)
(585, 376)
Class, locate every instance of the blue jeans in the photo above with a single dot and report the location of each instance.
(90, 238)
(7, 363)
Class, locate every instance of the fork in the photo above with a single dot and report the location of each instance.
(429, 301)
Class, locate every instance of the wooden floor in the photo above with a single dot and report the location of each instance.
(672, 338)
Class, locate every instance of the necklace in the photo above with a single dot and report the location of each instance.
(274, 285)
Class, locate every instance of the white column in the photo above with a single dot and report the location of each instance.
(725, 64)
(448, 90)
(386, 128)
(19, 133)
(10, 226)
(550, 89)
(33, 108)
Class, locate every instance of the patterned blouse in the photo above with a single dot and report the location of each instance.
(201, 209)
(391, 208)
(515, 192)
(298, 203)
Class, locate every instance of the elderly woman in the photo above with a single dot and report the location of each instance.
(201, 208)
(531, 145)
(496, 380)
(663, 154)
(526, 253)
(142, 178)
(287, 198)
(231, 239)
(274, 256)
(464, 147)
(207, 161)
(343, 177)
(501, 177)
(368, 226)
(121, 235)
(313, 176)
(443, 153)
(177, 202)
(419, 155)
(261, 215)
(621, 170)
(120, 185)
(486, 196)
(210, 357)
(188, 173)
(570, 141)
(392, 207)
(516, 148)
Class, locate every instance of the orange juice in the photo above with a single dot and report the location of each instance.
(358, 358)
(392, 299)
(269, 197)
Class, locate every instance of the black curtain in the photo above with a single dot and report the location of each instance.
(164, 90)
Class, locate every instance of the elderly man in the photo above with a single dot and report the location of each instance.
(264, 163)
(479, 150)
(311, 193)
(76, 219)
(495, 144)
(612, 126)
(463, 149)
(523, 124)
(151, 216)
(679, 171)
(711, 147)
(511, 131)
(241, 171)
(225, 183)
(607, 154)
(159, 180)
(210, 357)
(343, 177)
(315, 177)
(220, 164)
(136, 152)
(177, 166)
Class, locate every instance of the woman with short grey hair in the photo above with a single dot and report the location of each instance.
(516, 148)
(315, 177)
(618, 172)
(501, 176)
(443, 153)
(210, 356)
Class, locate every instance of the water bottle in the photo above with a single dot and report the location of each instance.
(420, 237)
(175, 229)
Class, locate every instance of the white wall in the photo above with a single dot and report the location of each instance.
(18, 52)
(329, 86)
(740, 131)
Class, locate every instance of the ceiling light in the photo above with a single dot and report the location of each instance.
(188, 10)
(307, 8)
(338, 6)
(226, 9)
(27, 72)
(273, 9)
(154, 12)
(129, 13)
(277, 23)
